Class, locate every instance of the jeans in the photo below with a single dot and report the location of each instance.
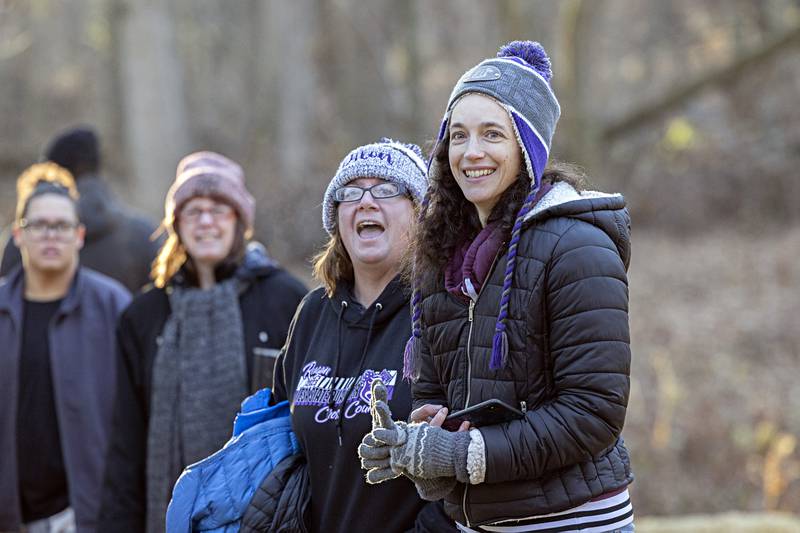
(625, 529)
(63, 522)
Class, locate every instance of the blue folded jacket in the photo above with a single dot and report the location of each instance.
(212, 494)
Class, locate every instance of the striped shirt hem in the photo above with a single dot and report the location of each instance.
(596, 516)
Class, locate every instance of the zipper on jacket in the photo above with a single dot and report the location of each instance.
(469, 349)
(471, 318)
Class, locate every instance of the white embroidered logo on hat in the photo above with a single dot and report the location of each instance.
(484, 73)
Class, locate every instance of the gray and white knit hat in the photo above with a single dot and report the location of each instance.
(387, 160)
(519, 80)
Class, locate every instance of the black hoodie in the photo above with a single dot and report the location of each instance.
(338, 337)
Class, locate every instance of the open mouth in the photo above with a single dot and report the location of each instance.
(478, 173)
(206, 238)
(369, 229)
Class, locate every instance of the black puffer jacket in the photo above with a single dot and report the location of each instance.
(568, 363)
(280, 504)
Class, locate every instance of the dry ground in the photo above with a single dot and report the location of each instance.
(714, 412)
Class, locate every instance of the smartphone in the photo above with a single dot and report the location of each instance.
(485, 413)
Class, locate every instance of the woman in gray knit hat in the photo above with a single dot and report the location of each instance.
(194, 345)
(520, 295)
(350, 332)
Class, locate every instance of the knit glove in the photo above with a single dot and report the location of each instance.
(434, 489)
(376, 458)
(420, 451)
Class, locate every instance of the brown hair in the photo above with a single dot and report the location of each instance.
(332, 264)
(172, 256)
(29, 185)
(450, 218)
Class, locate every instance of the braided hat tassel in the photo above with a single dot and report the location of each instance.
(499, 357)
(412, 350)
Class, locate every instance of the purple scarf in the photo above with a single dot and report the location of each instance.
(470, 264)
(469, 267)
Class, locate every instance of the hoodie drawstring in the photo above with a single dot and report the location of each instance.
(378, 308)
(331, 399)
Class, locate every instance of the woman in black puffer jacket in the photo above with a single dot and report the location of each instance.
(522, 296)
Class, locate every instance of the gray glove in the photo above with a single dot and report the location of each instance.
(376, 460)
(420, 451)
(376, 457)
(434, 489)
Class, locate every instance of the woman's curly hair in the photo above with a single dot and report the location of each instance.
(450, 219)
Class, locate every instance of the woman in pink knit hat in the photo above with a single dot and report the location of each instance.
(193, 346)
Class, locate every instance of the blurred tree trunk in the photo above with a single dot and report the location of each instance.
(578, 124)
(412, 124)
(289, 43)
(287, 46)
(154, 116)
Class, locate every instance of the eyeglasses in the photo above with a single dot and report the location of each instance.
(38, 229)
(217, 212)
(387, 189)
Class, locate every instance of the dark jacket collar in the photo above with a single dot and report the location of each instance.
(12, 293)
(255, 264)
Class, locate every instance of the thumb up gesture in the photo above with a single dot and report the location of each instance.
(376, 447)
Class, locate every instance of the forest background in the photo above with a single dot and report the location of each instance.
(687, 107)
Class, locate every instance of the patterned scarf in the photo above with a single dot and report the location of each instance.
(199, 380)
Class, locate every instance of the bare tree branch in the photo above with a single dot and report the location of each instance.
(678, 97)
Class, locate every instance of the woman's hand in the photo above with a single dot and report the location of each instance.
(434, 415)
(395, 448)
(426, 413)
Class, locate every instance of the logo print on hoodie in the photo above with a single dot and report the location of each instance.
(314, 389)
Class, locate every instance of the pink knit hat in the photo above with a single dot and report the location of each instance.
(209, 174)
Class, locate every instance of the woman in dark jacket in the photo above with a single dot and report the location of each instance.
(520, 295)
(350, 332)
(192, 347)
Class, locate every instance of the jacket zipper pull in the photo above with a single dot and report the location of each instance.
(523, 407)
(471, 308)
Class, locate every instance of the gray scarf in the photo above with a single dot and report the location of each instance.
(199, 379)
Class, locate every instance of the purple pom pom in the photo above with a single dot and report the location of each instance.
(532, 53)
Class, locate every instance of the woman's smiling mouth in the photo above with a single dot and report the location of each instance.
(478, 172)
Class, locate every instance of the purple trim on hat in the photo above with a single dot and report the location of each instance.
(442, 129)
(533, 146)
(439, 138)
